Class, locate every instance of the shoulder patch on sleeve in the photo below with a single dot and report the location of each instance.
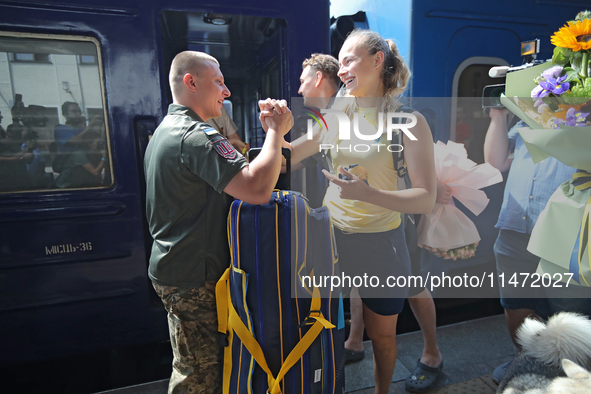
(223, 147)
(210, 131)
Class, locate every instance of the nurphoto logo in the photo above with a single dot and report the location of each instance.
(391, 121)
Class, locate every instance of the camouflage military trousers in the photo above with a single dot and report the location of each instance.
(192, 324)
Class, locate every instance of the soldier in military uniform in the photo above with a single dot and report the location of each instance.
(192, 173)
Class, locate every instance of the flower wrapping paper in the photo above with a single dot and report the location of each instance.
(570, 145)
(446, 227)
(555, 237)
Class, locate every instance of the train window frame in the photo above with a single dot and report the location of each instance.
(101, 90)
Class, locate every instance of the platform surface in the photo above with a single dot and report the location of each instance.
(471, 351)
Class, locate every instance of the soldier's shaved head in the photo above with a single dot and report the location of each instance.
(187, 62)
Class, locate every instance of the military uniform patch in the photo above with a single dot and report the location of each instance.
(223, 147)
(210, 131)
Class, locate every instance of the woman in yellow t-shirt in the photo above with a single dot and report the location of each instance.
(365, 205)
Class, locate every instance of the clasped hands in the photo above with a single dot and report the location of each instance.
(275, 115)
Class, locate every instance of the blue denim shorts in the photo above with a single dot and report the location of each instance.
(378, 255)
(513, 258)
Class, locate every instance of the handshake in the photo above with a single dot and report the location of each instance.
(276, 116)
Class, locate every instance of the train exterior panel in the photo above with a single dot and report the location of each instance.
(73, 255)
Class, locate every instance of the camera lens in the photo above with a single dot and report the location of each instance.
(491, 96)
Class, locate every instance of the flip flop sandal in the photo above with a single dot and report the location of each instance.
(423, 378)
(352, 356)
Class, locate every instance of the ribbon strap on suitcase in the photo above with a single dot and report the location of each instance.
(233, 324)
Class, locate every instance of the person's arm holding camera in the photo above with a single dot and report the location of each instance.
(496, 143)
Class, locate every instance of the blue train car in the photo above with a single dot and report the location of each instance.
(74, 252)
(74, 247)
(450, 47)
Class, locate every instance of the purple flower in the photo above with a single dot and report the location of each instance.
(581, 116)
(552, 73)
(555, 85)
(551, 82)
(573, 118)
(539, 92)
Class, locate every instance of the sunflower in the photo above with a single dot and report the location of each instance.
(575, 35)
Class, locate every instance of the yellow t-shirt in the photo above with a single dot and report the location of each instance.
(374, 156)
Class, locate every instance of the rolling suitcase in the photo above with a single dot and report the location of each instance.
(281, 334)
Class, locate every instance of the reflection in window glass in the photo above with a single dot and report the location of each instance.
(52, 131)
(24, 57)
(86, 59)
(29, 57)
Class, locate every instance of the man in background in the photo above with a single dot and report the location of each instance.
(528, 189)
(65, 135)
(319, 84)
(226, 126)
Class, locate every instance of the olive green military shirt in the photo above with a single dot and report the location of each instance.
(187, 165)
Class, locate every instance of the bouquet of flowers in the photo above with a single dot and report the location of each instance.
(561, 93)
(569, 78)
(446, 231)
(558, 114)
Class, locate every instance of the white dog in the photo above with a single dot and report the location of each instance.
(547, 351)
(577, 381)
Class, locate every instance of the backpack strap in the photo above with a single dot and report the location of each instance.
(398, 157)
(408, 220)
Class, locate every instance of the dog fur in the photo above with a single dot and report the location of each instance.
(553, 358)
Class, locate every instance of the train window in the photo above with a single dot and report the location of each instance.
(53, 133)
(468, 121)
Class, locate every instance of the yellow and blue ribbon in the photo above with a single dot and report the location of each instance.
(582, 181)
